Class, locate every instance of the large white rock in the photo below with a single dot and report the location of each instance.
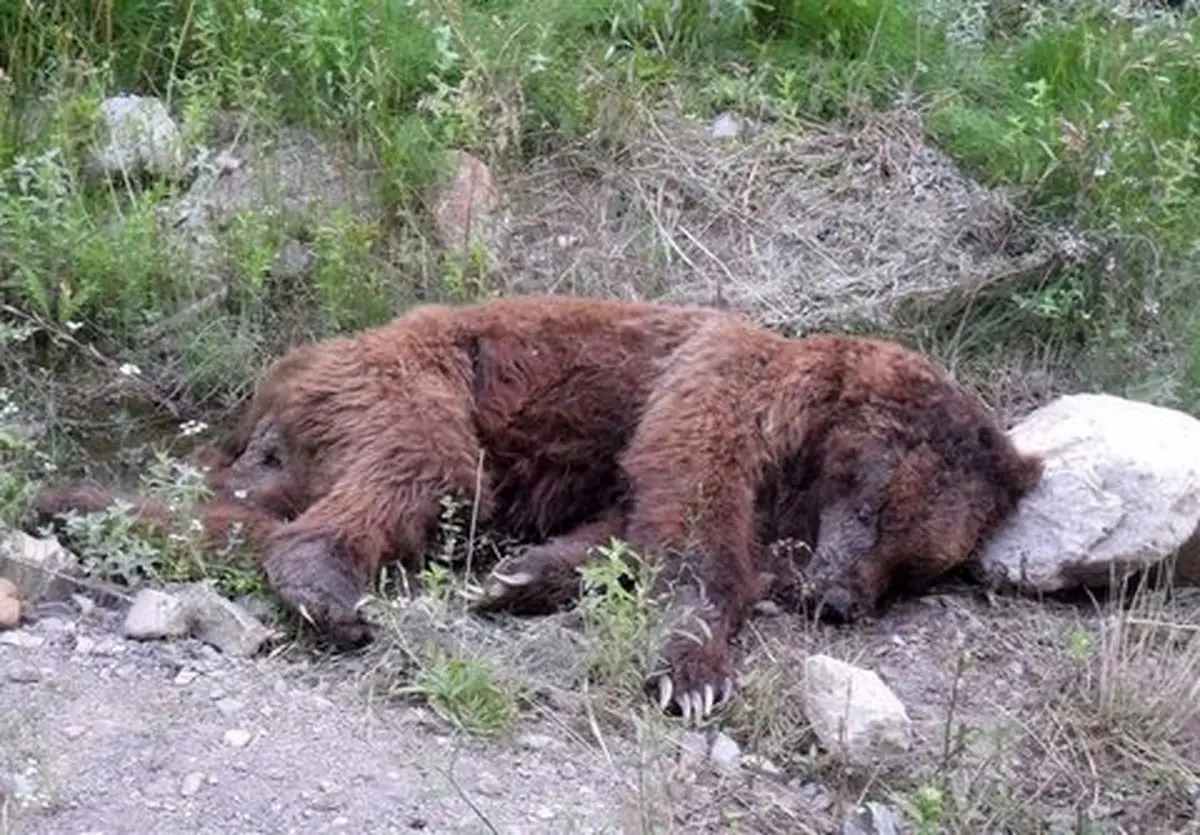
(854, 714)
(1121, 492)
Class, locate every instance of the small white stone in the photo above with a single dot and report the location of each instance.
(191, 784)
(853, 713)
(155, 614)
(237, 737)
(725, 754)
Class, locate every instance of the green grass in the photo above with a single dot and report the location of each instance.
(1088, 118)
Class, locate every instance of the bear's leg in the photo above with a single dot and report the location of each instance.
(52, 503)
(221, 519)
(383, 508)
(545, 578)
(694, 469)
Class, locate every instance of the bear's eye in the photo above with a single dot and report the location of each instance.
(271, 459)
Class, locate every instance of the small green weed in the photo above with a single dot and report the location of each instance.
(467, 693)
(619, 614)
(925, 809)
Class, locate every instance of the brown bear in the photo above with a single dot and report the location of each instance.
(691, 433)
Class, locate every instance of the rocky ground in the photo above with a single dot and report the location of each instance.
(108, 735)
(1028, 714)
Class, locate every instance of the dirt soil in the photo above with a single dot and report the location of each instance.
(106, 735)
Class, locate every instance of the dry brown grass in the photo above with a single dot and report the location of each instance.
(802, 226)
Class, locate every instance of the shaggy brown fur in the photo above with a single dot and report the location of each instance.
(692, 433)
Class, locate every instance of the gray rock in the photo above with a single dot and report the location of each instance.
(693, 749)
(725, 754)
(536, 742)
(21, 639)
(814, 796)
(222, 623)
(297, 177)
(228, 706)
(873, 819)
(155, 615)
(855, 716)
(759, 763)
(727, 125)
(293, 263)
(1120, 492)
(10, 604)
(196, 610)
(41, 568)
(489, 785)
(139, 138)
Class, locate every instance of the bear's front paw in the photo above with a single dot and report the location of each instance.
(323, 589)
(336, 619)
(540, 581)
(693, 675)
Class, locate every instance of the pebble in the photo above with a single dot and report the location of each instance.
(228, 706)
(25, 675)
(155, 614)
(489, 785)
(237, 737)
(191, 784)
(86, 604)
(761, 764)
(535, 742)
(725, 754)
(726, 126)
(815, 796)
(185, 677)
(109, 646)
(74, 731)
(21, 639)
